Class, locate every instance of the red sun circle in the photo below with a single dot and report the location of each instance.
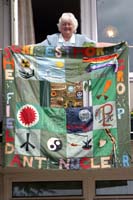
(28, 116)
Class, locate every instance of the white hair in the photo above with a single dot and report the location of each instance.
(66, 17)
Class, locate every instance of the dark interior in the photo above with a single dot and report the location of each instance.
(46, 15)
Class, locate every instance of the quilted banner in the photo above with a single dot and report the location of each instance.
(66, 108)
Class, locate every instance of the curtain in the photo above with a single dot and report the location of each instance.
(25, 22)
(4, 41)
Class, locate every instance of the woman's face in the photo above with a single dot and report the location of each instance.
(66, 28)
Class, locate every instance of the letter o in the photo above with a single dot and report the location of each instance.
(90, 51)
(121, 88)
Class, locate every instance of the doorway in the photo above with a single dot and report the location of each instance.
(47, 13)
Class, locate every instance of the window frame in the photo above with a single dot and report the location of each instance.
(33, 175)
(14, 22)
(88, 18)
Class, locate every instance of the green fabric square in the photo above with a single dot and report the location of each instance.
(75, 70)
(104, 87)
(27, 91)
(54, 120)
(102, 143)
(53, 146)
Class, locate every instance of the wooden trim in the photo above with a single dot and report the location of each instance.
(113, 198)
(59, 198)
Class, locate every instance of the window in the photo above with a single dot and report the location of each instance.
(46, 16)
(47, 189)
(114, 187)
(114, 23)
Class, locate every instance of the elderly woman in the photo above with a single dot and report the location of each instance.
(67, 36)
